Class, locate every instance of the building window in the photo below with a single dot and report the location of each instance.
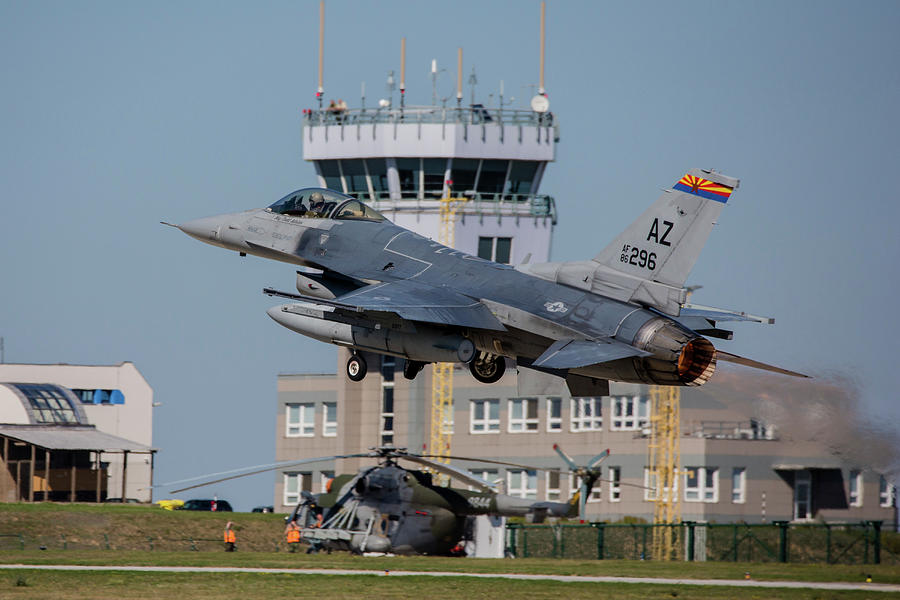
(378, 175)
(553, 491)
(100, 396)
(300, 420)
(324, 478)
(497, 249)
(434, 174)
(329, 419)
(523, 415)
(355, 177)
(856, 485)
(596, 491)
(492, 177)
(615, 484)
(409, 170)
(522, 483)
(554, 414)
(489, 475)
(886, 493)
(701, 484)
(387, 414)
(738, 485)
(802, 495)
(48, 402)
(630, 413)
(294, 484)
(484, 416)
(587, 414)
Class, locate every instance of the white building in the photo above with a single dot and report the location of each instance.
(96, 418)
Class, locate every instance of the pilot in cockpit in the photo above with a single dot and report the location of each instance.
(317, 204)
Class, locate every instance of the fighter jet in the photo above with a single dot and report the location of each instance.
(372, 286)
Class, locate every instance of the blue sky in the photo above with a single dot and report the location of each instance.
(116, 115)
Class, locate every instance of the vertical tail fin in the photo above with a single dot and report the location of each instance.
(663, 244)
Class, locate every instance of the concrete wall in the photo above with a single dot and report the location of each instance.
(428, 140)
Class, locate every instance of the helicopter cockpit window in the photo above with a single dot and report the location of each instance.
(313, 203)
(356, 210)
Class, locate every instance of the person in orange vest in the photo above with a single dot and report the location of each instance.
(230, 538)
(292, 533)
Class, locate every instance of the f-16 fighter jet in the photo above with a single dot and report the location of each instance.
(372, 286)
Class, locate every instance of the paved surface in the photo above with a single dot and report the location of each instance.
(818, 585)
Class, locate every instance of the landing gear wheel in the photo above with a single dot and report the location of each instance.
(356, 368)
(412, 368)
(487, 368)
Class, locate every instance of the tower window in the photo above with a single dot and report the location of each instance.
(497, 249)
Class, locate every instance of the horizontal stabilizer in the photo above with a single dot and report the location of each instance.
(720, 314)
(571, 354)
(747, 362)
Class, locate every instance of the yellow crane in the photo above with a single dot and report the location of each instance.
(442, 373)
(665, 467)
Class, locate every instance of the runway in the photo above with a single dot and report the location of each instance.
(874, 587)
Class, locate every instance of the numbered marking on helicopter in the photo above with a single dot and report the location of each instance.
(480, 502)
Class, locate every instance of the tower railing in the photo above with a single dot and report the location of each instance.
(476, 114)
(479, 204)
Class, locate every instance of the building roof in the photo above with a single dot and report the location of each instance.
(68, 437)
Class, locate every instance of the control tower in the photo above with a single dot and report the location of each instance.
(403, 159)
(409, 162)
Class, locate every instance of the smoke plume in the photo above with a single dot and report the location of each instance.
(826, 409)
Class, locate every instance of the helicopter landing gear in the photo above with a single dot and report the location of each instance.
(488, 368)
(412, 368)
(356, 368)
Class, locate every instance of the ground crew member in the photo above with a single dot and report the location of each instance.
(292, 533)
(230, 538)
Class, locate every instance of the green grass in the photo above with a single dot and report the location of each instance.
(58, 585)
(124, 535)
(620, 568)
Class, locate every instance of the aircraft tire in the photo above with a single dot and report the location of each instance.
(487, 368)
(356, 368)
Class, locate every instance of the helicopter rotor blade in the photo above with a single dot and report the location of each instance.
(598, 459)
(271, 468)
(451, 471)
(486, 460)
(566, 458)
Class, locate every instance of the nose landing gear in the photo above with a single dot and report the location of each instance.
(357, 368)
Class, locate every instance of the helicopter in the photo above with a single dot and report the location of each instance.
(389, 509)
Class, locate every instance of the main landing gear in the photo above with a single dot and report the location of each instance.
(357, 368)
(487, 368)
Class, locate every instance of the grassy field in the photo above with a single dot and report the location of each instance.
(149, 536)
(58, 585)
(620, 568)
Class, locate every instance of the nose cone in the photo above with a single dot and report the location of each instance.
(205, 229)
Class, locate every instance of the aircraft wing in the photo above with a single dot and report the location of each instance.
(413, 301)
(571, 354)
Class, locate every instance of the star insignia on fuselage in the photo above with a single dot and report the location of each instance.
(556, 307)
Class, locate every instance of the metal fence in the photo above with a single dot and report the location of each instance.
(868, 542)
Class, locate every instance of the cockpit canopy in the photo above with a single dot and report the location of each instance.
(321, 203)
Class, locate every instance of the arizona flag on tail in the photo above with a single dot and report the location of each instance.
(703, 188)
